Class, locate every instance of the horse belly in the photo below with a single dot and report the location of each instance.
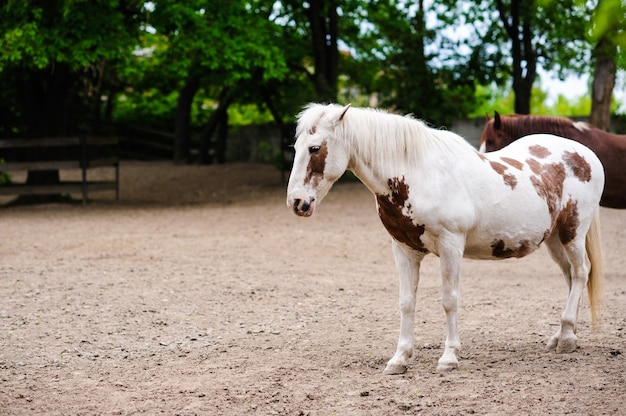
(495, 246)
(517, 233)
(502, 247)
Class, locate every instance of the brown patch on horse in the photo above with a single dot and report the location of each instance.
(578, 165)
(568, 222)
(539, 151)
(498, 167)
(498, 249)
(316, 166)
(515, 163)
(508, 178)
(481, 156)
(548, 182)
(399, 225)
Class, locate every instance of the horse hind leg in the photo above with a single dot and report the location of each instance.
(572, 258)
(559, 255)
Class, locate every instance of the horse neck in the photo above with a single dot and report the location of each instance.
(589, 135)
(393, 147)
(518, 126)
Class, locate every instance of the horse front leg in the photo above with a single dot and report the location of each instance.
(408, 265)
(451, 257)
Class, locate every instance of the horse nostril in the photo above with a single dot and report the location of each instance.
(307, 205)
(296, 204)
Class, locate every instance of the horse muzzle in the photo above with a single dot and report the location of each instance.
(302, 207)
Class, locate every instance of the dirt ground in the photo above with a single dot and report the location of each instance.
(199, 293)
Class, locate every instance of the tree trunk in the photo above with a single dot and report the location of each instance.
(222, 135)
(226, 98)
(603, 83)
(93, 95)
(323, 20)
(182, 131)
(419, 66)
(524, 57)
(108, 108)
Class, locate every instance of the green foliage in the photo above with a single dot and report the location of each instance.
(492, 98)
(560, 36)
(610, 20)
(142, 53)
(245, 114)
(156, 109)
(57, 55)
(150, 108)
(36, 33)
(227, 41)
(580, 106)
(222, 45)
(576, 107)
(402, 72)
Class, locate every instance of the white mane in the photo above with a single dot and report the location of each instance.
(383, 138)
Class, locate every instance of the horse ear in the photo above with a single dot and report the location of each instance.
(487, 116)
(497, 121)
(343, 112)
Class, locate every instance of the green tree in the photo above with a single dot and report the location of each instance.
(609, 37)
(58, 52)
(549, 32)
(313, 31)
(536, 32)
(56, 59)
(392, 46)
(323, 21)
(215, 46)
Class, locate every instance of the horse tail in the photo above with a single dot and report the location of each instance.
(595, 281)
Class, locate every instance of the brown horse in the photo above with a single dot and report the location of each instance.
(610, 148)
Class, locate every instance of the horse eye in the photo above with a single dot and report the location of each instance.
(314, 150)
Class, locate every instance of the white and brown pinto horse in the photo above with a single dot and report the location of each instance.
(610, 148)
(436, 194)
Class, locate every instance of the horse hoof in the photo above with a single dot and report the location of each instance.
(566, 347)
(393, 369)
(561, 345)
(551, 345)
(447, 366)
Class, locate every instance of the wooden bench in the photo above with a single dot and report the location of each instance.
(79, 149)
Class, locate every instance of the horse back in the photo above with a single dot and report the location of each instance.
(558, 168)
(545, 181)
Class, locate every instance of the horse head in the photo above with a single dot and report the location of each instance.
(320, 159)
(494, 136)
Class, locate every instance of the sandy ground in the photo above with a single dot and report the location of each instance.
(200, 293)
